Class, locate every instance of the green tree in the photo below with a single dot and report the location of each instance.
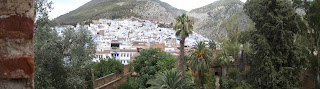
(131, 83)
(149, 62)
(61, 61)
(183, 27)
(78, 50)
(209, 80)
(166, 63)
(309, 39)
(231, 44)
(313, 16)
(201, 60)
(223, 61)
(243, 39)
(169, 79)
(105, 67)
(49, 69)
(276, 62)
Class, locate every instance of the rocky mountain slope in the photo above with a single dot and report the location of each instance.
(208, 20)
(154, 10)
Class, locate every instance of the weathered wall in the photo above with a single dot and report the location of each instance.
(16, 44)
(112, 81)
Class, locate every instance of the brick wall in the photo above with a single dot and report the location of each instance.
(16, 44)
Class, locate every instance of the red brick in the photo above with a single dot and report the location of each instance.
(16, 26)
(16, 67)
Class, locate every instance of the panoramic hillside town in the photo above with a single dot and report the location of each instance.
(122, 39)
(159, 44)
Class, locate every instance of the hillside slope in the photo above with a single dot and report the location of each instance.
(209, 19)
(112, 9)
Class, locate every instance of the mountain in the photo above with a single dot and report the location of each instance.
(154, 10)
(208, 20)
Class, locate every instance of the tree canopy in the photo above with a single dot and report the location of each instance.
(107, 66)
(275, 62)
(150, 61)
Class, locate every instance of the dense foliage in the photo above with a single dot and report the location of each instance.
(201, 60)
(131, 83)
(107, 66)
(275, 62)
(149, 62)
(78, 50)
(168, 79)
(313, 16)
(309, 39)
(48, 57)
(61, 61)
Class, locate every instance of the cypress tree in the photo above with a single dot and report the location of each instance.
(275, 62)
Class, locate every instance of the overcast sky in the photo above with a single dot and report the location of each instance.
(61, 7)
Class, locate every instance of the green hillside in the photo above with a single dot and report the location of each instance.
(110, 9)
(92, 10)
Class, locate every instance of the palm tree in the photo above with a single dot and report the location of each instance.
(168, 79)
(201, 59)
(183, 28)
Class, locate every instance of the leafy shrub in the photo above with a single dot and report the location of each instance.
(209, 81)
(232, 73)
(129, 84)
(104, 67)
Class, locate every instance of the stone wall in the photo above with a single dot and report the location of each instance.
(111, 81)
(16, 44)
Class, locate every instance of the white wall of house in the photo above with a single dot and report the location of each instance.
(99, 56)
(125, 57)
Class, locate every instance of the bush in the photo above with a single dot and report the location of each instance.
(104, 67)
(149, 62)
(209, 81)
(232, 73)
(227, 83)
(129, 84)
(125, 85)
(188, 77)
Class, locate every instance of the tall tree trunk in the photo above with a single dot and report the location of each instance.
(181, 60)
(318, 78)
(199, 79)
(241, 61)
(241, 65)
